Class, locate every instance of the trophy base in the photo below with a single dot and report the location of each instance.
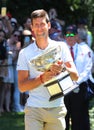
(63, 93)
(60, 86)
(56, 96)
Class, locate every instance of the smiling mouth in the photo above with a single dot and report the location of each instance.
(41, 34)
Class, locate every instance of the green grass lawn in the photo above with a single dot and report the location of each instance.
(15, 121)
(91, 114)
(12, 121)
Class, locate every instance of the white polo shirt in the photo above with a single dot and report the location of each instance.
(39, 97)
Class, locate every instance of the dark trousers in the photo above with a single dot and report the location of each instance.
(77, 109)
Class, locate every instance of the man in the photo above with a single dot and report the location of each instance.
(83, 24)
(40, 113)
(76, 102)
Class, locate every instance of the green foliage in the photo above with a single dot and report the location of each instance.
(68, 10)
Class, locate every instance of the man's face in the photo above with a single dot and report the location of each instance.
(15, 36)
(70, 39)
(40, 27)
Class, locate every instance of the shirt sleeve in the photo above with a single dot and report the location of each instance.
(87, 66)
(22, 61)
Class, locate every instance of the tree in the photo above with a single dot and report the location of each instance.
(68, 10)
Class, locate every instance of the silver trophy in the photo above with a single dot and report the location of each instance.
(45, 60)
(61, 84)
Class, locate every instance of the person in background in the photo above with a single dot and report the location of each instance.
(27, 38)
(40, 113)
(54, 16)
(55, 32)
(55, 21)
(14, 23)
(5, 86)
(77, 102)
(27, 23)
(5, 24)
(14, 45)
(83, 24)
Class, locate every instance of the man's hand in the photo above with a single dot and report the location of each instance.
(54, 70)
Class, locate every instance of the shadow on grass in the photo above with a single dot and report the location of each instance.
(12, 121)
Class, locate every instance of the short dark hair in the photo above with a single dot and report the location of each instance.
(39, 14)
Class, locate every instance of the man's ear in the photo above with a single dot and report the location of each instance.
(49, 25)
(31, 27)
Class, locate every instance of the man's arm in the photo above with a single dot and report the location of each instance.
(26, 84)
(70, 66)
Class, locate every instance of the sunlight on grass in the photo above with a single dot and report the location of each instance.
(15, 121)
(91, 114)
